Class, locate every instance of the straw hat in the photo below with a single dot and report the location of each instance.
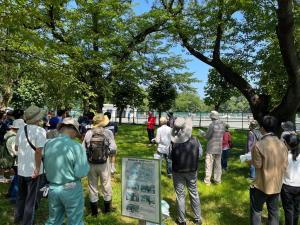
(17, 124)
(34, 114)
(214, 115)
(67, 122)
(182, 130)
(100, 120)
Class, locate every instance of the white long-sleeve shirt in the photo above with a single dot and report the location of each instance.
(291, 176)
(163, 139)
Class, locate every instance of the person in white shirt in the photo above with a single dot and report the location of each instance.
(163, 139)
(290, 193)
(30, 142)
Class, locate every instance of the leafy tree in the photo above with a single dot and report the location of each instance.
(223, 34)
(190, 102)
(235, 104)
(218, 90)
(161, 93)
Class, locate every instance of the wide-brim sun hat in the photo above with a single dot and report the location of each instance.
(69, 121)
(34, 114)
(214, 115)
(182, 130)
(253, 124)
(100, 120)
(17, 124)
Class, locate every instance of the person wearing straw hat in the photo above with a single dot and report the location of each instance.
(186, 151)
(214, 136)
(30, 142)
(100, 144)
(65, 164)
(10, 138)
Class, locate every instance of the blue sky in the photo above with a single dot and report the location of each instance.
(194, 65)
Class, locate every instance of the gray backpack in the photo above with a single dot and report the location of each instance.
(98, 150)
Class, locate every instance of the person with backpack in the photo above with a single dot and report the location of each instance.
(290, 192)
(113, 127)
(30, 142)
(10, 144)
(254, 135)
(100, 144)
(185, 172)
(226, 146)
(65, 164)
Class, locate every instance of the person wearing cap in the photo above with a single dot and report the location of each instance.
(186, 151)
(65, 164)
(288, 129)
(254, 135)
(214, 136)
(163, 139)
(52, 130)
(270, 158)
(99, 169)
(10, 138)
(290, 192)
(113, 127)
(30, 166)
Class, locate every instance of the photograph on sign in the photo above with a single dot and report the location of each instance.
(141, 189)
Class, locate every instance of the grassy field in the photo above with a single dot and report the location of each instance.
(225, 204)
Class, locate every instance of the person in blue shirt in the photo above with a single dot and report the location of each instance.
(65, 164)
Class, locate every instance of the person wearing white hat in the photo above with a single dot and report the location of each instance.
(65, 165)
(214, 136)
(30, 142)
(10, 138)
(186, 151)
(100, 144)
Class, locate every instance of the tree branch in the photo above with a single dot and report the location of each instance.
(216, 52)
(52, 25)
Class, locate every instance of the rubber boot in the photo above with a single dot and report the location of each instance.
(94, 209)
(107, 207)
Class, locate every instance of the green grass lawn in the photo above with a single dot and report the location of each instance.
(225, 204)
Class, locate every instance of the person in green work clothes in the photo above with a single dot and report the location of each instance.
(65, 164)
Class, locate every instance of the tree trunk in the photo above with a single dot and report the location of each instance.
(159, 116)
(120, 115)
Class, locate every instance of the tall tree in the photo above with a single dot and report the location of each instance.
(222, 33)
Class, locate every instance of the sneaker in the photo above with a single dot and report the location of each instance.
(198, 222)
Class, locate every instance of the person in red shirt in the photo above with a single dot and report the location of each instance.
(150, 126)
(226, 145)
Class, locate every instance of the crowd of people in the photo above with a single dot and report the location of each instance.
(51, 154)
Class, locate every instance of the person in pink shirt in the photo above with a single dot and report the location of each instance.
(151, 126)
(226, 145)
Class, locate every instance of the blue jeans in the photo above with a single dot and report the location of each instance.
(252, 172)
(224, 160)
(13, 188)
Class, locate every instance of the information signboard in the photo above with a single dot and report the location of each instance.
(141, 189)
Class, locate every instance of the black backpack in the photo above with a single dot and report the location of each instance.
(6, 160)
(98, 151)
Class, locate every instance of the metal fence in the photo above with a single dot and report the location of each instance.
(239, 120)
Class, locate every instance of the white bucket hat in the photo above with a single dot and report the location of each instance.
(182, 130)
(34, 114)
(214, 115)
(17, 124)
